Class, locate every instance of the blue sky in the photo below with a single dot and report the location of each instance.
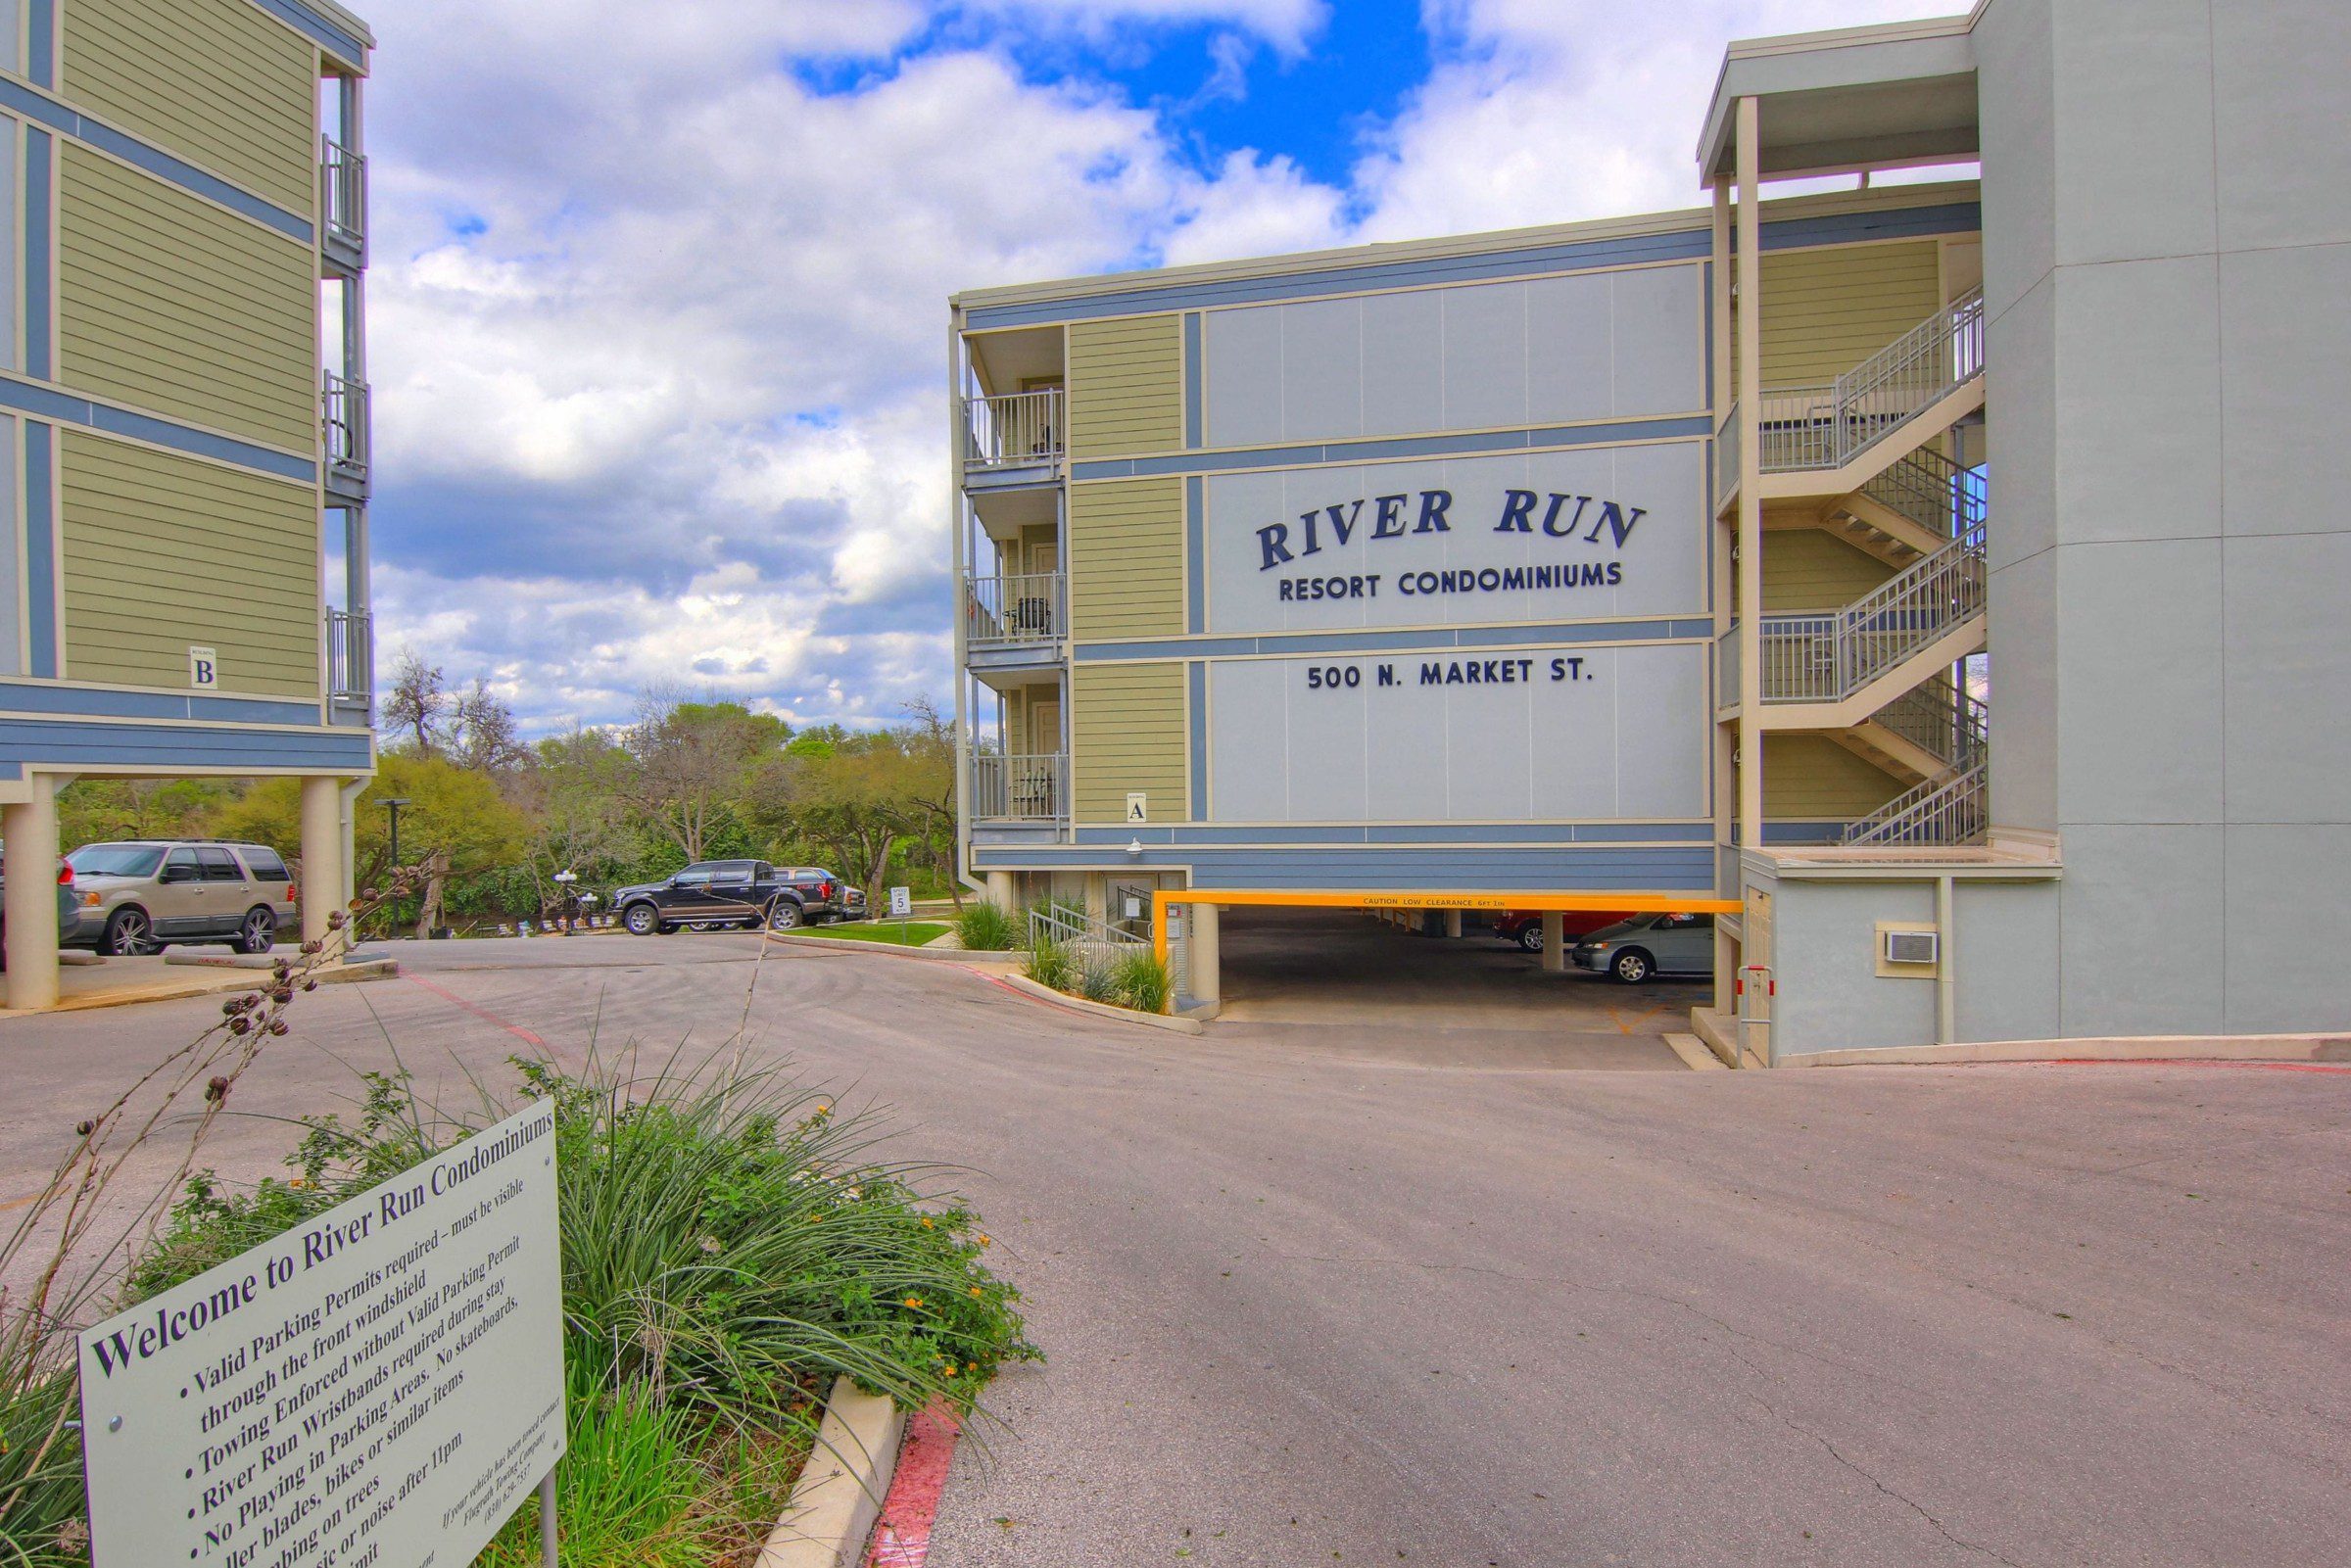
(660, 292)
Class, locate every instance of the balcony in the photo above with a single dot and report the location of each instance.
(343, 425)
(1012, 608)
(343, 204)
(1008, 787)
(349, 658)
(1017, 438)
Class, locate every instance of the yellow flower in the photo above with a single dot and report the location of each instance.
(984, 1239)
(974, 1290)
(914, 1300)
(926, 1225)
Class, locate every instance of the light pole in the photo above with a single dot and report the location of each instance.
(564, 880)
(392, 805)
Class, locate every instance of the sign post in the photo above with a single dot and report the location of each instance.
(377, 1388)
(902, 904)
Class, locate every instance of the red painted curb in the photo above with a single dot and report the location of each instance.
(2193, 1061)
(902, 1534)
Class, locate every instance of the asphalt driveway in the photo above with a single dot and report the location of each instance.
(1308, 1304)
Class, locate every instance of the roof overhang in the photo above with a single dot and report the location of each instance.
(1857, 98)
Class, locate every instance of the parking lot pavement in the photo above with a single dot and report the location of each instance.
(1346, 984)
(1303, 1309)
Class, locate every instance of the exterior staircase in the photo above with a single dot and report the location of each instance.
(1834, 439)
(1928, 731)
(1954, 809)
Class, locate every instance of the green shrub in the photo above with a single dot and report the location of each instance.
(629, 1490)
(1050, 963)
(1141, 980)
(1097, 983)
(983, 926)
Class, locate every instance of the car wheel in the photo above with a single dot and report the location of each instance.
(1531, 937)
(130, 933)
(783, 915)
(642, 920)
(1632, 966)
(257, 934)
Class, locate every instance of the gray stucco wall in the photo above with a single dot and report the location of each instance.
(2167, 198)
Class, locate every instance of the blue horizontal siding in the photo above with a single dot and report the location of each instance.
(1452, 832)
(46, 403)
(319, 28)
(63, 744)
(1350, 277)
(104, 703)
(1688, 868)
(1345, 640)
(1388, 448)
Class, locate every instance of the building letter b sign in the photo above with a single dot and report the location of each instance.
(204, 669)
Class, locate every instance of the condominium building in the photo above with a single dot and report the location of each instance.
(183, 418)
(1936, 582)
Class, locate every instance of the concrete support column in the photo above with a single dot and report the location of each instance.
(31, 898)
(321, 853)
(1453, 924)
(1001, 892)
(1097, 895)
(1554, 942)
(1751, 506)
(1205, 958)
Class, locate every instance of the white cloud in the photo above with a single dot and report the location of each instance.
(659, 308)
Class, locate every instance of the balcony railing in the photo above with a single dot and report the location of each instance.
(1948, 724)
(350, 655)
(1830, 656)
(1013, 431)
(343, 193)
(343, 420)
(1015, 787)
(1014, 607)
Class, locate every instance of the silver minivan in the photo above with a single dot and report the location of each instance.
(142, 895)
(1636, 949)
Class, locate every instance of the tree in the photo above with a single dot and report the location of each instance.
(857, 796)
(417, 706)
(693, 760)
(483, 733)
(573, 791)
(454, 827)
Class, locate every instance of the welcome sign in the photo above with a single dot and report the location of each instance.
(1547, 538)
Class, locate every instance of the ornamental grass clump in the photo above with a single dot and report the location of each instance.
(1051, 963)
(983, 926)
(1141, 980)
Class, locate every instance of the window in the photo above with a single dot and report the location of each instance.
(219, 865)
(266, 865)
(732, 874)
(115, 860)
(180, 866)
(693, 877)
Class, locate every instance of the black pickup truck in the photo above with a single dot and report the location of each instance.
(731, 892)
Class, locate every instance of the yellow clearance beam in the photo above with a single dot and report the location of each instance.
(1629, 903)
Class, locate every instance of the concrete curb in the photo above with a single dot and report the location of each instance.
(1175, 1023)
(849, 944)
(840, 1492)
(208, 980)
(2149, 1048)
(1694, 1055)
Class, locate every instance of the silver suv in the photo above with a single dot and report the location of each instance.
(141, 896)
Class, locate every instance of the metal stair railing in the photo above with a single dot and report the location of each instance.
(1953, 808)
(1948, 724)
(1828, 658)
(1804, 428)
(1930, 490)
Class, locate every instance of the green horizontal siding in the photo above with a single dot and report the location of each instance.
(1127, 558)
(169, 303)
(1810, 778)
(1127, 731)
(1826, 311)
(218, 81)
(163, 552)
(1127, 385)
(1812, 569)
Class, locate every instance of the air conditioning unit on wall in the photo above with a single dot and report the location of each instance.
(1913, 947)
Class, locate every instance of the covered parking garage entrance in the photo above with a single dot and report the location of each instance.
(1425, 975)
